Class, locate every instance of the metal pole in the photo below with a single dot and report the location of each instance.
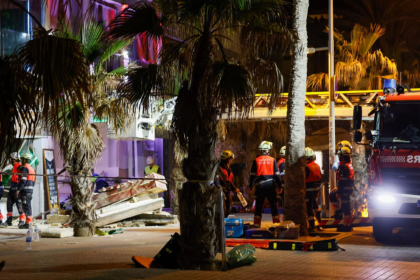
(332, 93)
(222, 230)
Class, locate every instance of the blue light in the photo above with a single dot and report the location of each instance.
(390, 83)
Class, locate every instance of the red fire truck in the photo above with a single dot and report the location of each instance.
(394, 162)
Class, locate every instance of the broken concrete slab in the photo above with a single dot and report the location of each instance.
(125, 210)
(58, 219)
(127, 190)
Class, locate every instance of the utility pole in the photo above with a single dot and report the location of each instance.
(331, 122)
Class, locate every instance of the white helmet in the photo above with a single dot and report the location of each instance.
(309, 153)
(265, 146)
(14, 156)
(150, 160)
(283, 151)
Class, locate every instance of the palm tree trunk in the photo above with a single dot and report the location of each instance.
(197, 202)
(83, 215)
(295, 207)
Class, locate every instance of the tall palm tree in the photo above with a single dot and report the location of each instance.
(355, 60)
(79, 139)
(196, 36)
(295, 207)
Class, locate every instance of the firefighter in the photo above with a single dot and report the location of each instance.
(340, 144)
(151, 167)
(264, 177)
(282, 161)
(313, 183)
(336, 203)
(26, 188)
(345, 179)
(224, 180)
(13, 196)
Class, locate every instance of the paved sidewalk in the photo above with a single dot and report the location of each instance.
(110, 258)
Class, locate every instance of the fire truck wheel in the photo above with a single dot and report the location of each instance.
(382, 231)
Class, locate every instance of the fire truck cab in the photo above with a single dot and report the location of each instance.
(394, 163)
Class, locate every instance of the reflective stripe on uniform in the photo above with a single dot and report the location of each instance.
(277, 173)
(28, 188)
(263, 182)
(252, 173)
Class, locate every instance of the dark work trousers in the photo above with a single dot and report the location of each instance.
(227, 203)
(13, 198)
(310, 200)
(271, 195)
(26, 198)
(345, 194)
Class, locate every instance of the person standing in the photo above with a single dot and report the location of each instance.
(151, 167)
(282, 168)
(263, 177)
(224, 180)
(313, 183)
(345, 179)
(13, 196)
(100, 183)
(26, 188)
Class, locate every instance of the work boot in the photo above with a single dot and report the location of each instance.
(21, 223)
(7, 223)
(24, 226)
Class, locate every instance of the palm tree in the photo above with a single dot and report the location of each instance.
(58, 78)
(79, 139)
(295, 207)
(196, 35)
(355, 60)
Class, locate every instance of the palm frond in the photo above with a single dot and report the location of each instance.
(18, 110)
(143, 84)
(232, 87)
(59, 69)
(318, 82)
(369, 38)
(267, 78)
(140, 18)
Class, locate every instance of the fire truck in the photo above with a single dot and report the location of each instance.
(394, 161)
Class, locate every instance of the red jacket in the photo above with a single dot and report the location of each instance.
(313, 176)
(264, 173)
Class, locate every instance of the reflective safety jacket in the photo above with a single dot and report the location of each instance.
(264, 173)
(15, 177)
(282, 165)
(154, 169)
(345, 176)
(224, 178)
(313, 176)
(27, 180)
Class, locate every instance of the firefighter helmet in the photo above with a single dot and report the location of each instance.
(344, 143)
(265, 146)
(345, 151)
(26, 156)
(14, 156)
(283, 151)
(226, 154)
(309, 153)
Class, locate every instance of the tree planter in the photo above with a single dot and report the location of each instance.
(82, 232)
(198, 226)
